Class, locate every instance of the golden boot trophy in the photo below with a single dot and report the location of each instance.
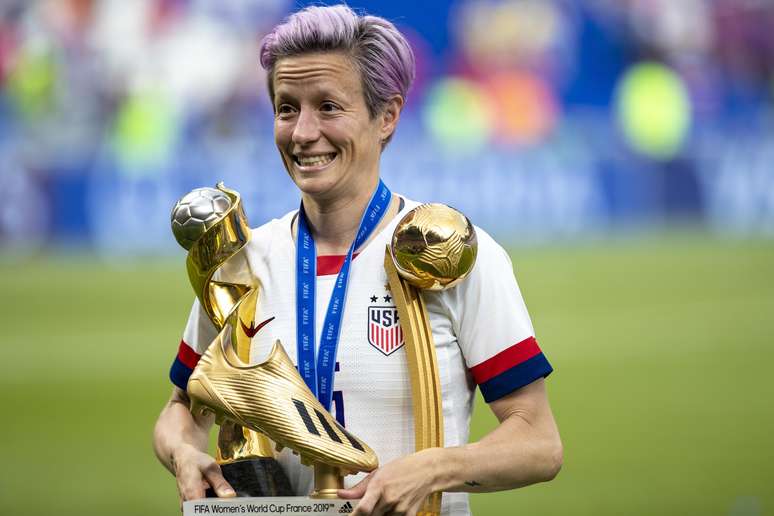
(269, 397)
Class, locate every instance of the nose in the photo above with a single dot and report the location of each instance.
(307, 128)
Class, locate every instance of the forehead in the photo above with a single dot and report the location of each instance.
(328, 71)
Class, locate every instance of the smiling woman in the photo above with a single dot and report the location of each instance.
(338, 82)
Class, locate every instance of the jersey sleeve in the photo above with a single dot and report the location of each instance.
(493, 327)
(199, 331)
(198, 334)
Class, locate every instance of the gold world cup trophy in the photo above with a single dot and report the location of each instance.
(211, 225)
(433, 247)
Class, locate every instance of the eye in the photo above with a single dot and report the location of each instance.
(329, 107)
(285, 110)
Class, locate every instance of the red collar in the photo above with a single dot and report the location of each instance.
(331, 264)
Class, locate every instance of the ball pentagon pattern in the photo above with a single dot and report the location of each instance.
(196, 212)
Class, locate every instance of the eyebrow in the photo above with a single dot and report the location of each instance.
(321, 93)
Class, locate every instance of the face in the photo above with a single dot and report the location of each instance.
(329, 144)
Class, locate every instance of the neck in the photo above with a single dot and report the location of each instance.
(334, 223)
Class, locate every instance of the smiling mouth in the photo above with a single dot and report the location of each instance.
(314, 161)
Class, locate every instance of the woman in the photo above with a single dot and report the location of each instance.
(338, 83)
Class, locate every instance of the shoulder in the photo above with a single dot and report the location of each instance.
(274, 227)
(255, 257)
(408, 204)
(492, 274)
(263, 237)
(490, 280)
(489, 251)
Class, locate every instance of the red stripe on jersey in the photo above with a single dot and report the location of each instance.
(187, 355)
(331, 264)
(504, 360)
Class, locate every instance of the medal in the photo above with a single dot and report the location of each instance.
(317, 368)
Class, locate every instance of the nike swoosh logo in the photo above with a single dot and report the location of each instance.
(251, 330)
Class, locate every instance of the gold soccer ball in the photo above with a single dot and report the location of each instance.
(434, 247)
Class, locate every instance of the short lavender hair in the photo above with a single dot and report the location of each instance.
(378, 50)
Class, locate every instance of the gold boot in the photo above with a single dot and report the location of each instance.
(272, 398)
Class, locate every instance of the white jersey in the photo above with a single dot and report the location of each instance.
(482, 332)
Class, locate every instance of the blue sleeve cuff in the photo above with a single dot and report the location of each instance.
(179, 374)
(515, 378)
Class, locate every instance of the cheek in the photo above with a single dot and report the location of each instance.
(281, 140)
(279, 137)
(352, 134)
(336, 133)
(283, 132)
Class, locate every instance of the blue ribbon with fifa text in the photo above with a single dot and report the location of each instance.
(318, 373)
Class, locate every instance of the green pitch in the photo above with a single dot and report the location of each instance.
(663, 351)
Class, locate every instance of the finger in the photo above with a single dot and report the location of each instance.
(186, 494)
(414, 510)
(365, 507)
(380, 508)
(214, 477)
(409, 510)
(356, 491)
(189, 484)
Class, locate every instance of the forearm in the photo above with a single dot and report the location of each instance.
(525, 448)
(513, 455)
(176, 427)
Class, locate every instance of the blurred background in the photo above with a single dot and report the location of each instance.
(623, 151)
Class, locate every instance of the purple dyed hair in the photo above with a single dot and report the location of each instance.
(378, 50)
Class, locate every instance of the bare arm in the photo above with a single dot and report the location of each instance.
(180, 442)
(523, 449)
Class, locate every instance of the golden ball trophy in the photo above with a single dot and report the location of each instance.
(433, 247)
(256, 405)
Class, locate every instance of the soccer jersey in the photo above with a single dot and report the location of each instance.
(481, 330)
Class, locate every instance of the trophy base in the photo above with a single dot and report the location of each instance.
(255, 477)
(286, 505)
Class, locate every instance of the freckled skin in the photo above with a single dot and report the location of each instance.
(320, 109)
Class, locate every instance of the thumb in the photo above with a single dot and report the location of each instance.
(214, 477)
(357, 491)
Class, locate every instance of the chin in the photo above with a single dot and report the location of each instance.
(318, 187)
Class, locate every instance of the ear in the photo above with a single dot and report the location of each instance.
(390, 116)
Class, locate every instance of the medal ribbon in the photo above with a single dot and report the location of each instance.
(318, 374)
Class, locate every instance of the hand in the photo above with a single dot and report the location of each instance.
(195, 471)
(399, 487)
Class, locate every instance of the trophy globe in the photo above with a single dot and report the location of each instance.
(434, 247)
(196, 212)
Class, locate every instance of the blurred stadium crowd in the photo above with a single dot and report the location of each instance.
(540, 119)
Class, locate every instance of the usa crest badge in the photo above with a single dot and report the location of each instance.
(384, 331)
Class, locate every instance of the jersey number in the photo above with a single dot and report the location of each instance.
(338, 402)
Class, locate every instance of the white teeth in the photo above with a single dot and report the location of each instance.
(315, 160)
